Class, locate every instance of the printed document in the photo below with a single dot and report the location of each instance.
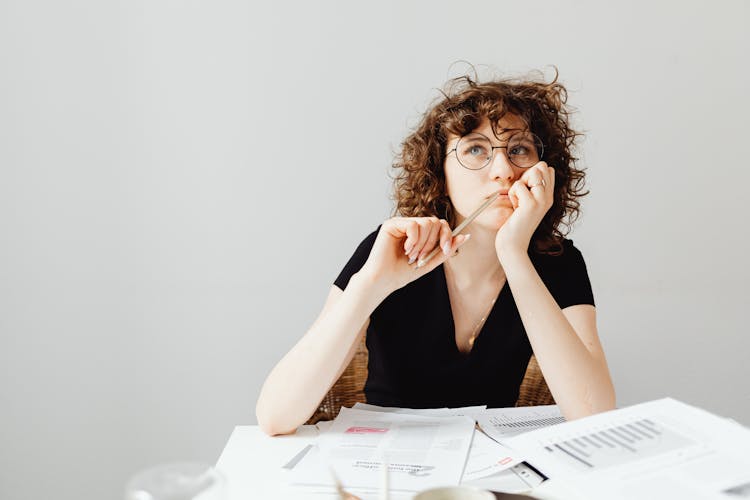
(432, 412)
(421, 451)
(486, 456)
(502, 423)
(661, 449)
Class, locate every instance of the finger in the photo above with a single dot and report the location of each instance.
(402, 228)
(548, 176)
(445, 237)
(424, 233)
(537, 185)
(432, 239)
(534, 177)
(513, 196)
(442, 231)
(411, 229)
(522, 193)
(455, 244)
(458, 242)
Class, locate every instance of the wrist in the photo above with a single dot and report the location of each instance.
(513, 257)
(371, 284)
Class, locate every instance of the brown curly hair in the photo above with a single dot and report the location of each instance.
(419, 181)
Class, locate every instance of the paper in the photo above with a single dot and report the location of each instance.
(433, 412)
(518, 479)
(422, 451)
(660, 449)
(502, 423)
(488, 457)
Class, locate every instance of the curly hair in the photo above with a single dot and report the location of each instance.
(419, 181)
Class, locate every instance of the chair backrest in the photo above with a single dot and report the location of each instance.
(349, 388)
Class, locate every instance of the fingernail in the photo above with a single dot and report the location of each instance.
(411, 260)
(466, 239)
(447, 248)
(407, 250)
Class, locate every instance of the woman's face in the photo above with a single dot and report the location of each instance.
(467, 189)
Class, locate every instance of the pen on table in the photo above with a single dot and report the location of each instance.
(343, 494)
(459, 228)
(384, 495)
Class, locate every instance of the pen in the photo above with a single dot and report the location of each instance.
(459, 228)
(343, 494)
(384, 495)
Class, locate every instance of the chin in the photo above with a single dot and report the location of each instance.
(494, 219)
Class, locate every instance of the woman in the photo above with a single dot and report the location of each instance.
(459, 329)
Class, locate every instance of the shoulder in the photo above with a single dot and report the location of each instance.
(369, 240)
(565, 275)
(567, 263)
(357, 260)
(568, 252)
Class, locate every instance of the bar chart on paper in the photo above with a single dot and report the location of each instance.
(616, 444)
(503, 423)
(511, 427)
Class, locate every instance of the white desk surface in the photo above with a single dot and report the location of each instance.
(252, 463)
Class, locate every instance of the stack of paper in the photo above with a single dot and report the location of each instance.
(661, 449)
(423, 448)
(421, 451)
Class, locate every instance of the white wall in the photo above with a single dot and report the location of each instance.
(181, 181)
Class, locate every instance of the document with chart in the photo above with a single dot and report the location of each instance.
(660, 449)
(502, 423)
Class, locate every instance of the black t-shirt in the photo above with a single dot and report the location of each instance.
(414, 361)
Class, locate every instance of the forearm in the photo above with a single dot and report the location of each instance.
(297, 384)
(577, 375)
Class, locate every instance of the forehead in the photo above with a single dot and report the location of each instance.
(508, 124)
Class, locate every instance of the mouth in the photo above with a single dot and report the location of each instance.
(498, 194)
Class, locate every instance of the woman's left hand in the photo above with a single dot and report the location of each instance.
(531, 196)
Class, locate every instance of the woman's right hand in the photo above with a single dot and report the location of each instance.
(401, 243)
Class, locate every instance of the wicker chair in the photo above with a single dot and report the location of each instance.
(349, 388)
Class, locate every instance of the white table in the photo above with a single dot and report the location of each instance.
(252, 463)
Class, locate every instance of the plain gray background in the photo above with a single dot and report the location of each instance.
(181, 182)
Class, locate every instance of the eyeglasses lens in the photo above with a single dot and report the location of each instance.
(475, 151)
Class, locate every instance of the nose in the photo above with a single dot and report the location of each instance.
(501, 169)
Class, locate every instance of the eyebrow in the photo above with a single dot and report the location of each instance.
(505, 130)
(502, 131)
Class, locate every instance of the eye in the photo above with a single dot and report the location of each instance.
(474, 149)
(521, 147)
(520, 150)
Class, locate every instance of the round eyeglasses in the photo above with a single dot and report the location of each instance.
(475, 151)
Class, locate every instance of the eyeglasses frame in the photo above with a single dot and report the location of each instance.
(492, 150)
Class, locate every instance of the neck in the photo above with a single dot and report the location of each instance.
(477, 260)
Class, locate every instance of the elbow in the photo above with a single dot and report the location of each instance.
(271, 429)
(271, 423)
(590, 403)
(604, 402)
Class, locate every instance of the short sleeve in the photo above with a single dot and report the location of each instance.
(566, 276)
(357, 260)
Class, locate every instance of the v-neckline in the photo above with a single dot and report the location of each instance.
(447, 297)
